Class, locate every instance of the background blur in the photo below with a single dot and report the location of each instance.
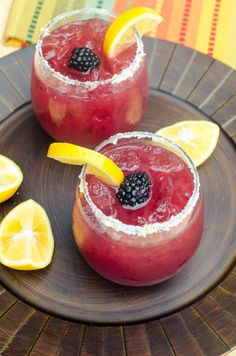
(208, 26)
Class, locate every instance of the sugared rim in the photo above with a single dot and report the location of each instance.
(88, 85)
(147, 229)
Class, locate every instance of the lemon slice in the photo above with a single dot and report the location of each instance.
(197, 138)
(98, 164)
(26, 240)
(120, 33)
(10, 178)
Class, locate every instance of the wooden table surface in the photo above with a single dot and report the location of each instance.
(208, 326)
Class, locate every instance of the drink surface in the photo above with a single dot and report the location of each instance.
(57, 48)
(171, 188)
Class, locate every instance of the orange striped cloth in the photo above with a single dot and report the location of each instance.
(208, 26)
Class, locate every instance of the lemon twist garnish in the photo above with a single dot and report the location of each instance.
(98, 164)
(197, 138)
(120, 33)
(10, 178)
(26, 240)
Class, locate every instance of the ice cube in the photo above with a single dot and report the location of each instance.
(161, 213)
(130, 161)
(165, 162)
(50, 54)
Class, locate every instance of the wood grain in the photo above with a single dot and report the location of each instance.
(159, 59)
(28, 332)
(157, 339)
(93, 343)
(210, 84)
(210, 343)
(12, 321)
(219, 319)
(72, 340)
(6, 301)
(50, 338)
(138, 344)
(207, 326)
(179, 334)
(114, 341)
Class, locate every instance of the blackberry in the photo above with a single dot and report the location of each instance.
(83, 59)
(134, 189)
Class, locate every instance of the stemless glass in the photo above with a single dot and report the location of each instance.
(138, 255)
(87, 112)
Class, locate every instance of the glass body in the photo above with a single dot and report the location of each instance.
(144, 253)
(86, 112)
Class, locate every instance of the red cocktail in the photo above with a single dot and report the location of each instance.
(82, 106)
(150, 242)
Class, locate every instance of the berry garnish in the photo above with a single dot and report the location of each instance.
(134, 189)
(83, 59)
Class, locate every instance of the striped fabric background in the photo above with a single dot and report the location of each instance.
(208, 26)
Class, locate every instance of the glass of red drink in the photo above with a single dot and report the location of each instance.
(86, 108)
(151, 243)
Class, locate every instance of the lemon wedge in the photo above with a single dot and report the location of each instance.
(98, 164)
(197, 138)
(10, 178)
(26, 240)
(120, 33)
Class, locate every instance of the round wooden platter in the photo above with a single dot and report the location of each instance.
(185, 85)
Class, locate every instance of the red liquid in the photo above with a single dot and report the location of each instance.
(86, 117)
(141, 260)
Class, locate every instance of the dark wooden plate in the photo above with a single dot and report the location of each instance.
(206, 327)
(68, 288)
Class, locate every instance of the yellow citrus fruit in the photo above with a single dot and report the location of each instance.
(197, 138)
(98, 164)
(120, 33)
(10, 178)
(26, 240)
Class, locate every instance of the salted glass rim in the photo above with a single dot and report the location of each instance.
(147, 229)
(116, 78)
